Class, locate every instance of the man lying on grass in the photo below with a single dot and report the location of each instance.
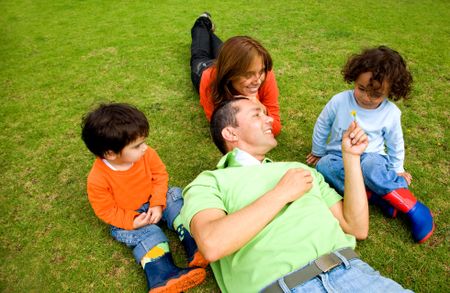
(273, 227)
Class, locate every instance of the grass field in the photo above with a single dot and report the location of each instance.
(58, 59)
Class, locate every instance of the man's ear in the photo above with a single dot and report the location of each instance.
(229, 134)
(110, 155)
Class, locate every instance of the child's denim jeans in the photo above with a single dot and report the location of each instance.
(145, 238)
(375, 171)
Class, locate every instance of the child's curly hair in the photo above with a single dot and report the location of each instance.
(386, 65)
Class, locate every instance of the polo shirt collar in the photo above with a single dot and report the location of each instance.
(239, 158)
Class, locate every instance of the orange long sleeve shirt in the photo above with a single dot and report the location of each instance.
(116, 195)
(267, 95)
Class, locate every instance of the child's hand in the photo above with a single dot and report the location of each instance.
(407, 176)
(312, 159)
(156, 214)
(142, 220)
(152, 216)
(354, 140)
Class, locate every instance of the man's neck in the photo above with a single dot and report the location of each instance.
(246, 159)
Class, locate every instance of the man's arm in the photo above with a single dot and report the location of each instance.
(218, 234)
(353, 211)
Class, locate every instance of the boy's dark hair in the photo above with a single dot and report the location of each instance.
(111, 127)
(224, 115)
(386, 65)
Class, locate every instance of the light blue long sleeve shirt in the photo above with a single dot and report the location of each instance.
(382, 125)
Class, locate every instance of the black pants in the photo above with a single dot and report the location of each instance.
(204, 49)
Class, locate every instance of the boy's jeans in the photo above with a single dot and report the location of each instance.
(145, 238)
(375, 171)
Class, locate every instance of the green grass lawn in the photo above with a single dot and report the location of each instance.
(58, 59)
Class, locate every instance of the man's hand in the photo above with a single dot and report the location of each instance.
(407, 176)
(312, 159)
(354, 140)
(210, 225)
(294, 183)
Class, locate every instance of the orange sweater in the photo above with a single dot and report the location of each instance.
(267, 95)
(115, 195)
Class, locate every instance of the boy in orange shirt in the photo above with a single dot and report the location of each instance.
(128, 189)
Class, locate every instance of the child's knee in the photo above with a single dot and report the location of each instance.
(373, 161)
(329, 164)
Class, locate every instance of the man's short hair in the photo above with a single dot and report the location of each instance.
(224, 115)
(111, 127)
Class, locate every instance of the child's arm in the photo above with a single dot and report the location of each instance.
(105, 207)
(160, 180)
(395, 145)
(321, 131)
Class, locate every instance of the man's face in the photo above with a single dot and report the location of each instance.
(254, 130)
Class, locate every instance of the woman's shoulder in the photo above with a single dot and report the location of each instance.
(269, 85)
(270, 78)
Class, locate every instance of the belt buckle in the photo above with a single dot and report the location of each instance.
(326, 262)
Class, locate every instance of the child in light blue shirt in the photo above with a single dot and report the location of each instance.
(378, 74)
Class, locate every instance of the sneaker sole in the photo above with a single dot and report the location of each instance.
(193, 278)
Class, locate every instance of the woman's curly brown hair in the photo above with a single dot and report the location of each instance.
(386, 65)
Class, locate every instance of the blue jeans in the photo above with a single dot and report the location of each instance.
(377, 177)
(352, 276)
(145, 238)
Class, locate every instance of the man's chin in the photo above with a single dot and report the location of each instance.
(273, 144)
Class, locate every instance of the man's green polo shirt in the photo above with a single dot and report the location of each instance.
(302, 231)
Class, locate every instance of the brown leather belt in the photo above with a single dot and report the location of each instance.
(323, 264)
